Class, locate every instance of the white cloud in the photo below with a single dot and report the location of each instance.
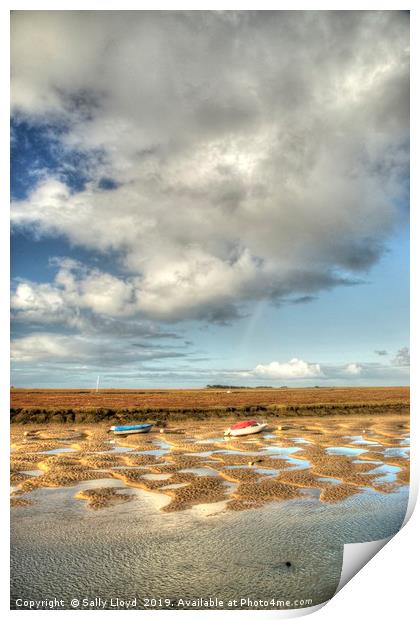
(74, 288)
(42, 347)
(293, 369)
(93, 351)
(247, 146)
(353, 370)
(38, 300)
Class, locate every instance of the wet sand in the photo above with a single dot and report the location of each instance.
(194, 464)
(186, 513)
(61, 548)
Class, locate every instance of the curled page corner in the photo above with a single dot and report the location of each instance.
(356, 556)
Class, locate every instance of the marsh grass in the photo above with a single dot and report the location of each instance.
(163, 406)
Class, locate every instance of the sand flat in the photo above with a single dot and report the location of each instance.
(301, 456)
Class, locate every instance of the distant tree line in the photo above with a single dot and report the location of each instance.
(217, 386)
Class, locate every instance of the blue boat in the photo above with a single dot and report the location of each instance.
(128, 430)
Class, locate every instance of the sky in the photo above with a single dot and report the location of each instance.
(210, 198)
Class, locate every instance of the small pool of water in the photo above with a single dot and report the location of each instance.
(59, 451)
(277, 450)
(359, 440)
(199, 471)
(403, 452)
(237, 467)
(209, 453)
(213, 440)
(344, 451)
(265, 471)
(33, 472)
(238, 452)
(285, 454)
(311, 492)
(330, 480)
(122, 467)
(390, 473)
(162, 444)
(157, 452)
(297, 463)
(156, 476)
(200, 454)
(120, 449)
(114, 450)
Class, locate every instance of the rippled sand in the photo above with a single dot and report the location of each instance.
(193, 465)
(186, 513)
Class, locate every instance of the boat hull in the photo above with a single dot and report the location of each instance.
(248, 430)
(130, 430)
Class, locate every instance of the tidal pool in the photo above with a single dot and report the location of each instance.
(285, 455)
(33, 472)
(359, 440)
(344, 451)
(199, 471)
(404, 452)
(59, 451)
(389, 473)
(156, 476)
(213, 440)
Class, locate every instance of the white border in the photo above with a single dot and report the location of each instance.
(386, 586)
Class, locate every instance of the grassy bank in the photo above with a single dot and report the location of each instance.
(160, 416)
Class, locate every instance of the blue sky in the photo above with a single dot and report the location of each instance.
(224, 207)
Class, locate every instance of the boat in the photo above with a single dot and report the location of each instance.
(129, 430)
(246, 427)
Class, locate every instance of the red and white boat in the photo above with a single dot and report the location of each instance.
(246, 427)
